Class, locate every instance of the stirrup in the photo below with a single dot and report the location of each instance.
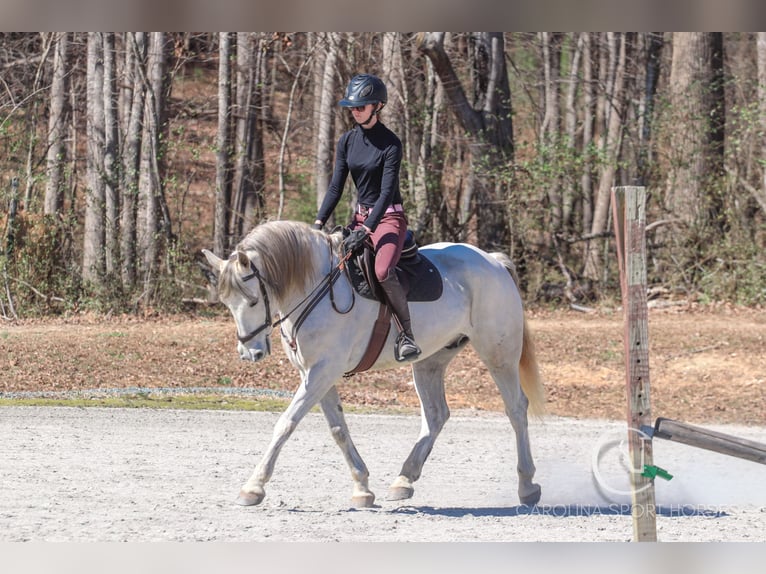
(406, 349)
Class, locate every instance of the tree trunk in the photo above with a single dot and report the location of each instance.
(222, 183)
(550, 129)
(593, 265)
(696, 99)
(32, 118)
(291, 103)
(254, 202)
(422, 223)
(325, 133)
(149, 182)
(397, 112)
(54, 191)
(393, 77)
(243, 125)
(93, 240)
(586, 181)
(316, 41)
(131, 153)
(761, 59)
(652, 72)
(570, 124)
(111, 183)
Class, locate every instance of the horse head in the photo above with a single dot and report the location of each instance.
(242, 288)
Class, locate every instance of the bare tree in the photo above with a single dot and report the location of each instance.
(291, 103)
(760, 196)
(135, 61)
(424, 210)
(570, 121)
(93, 241)
(244, 125)
(489, 127)
(32, 118)
(616, 103)
(586, 181)
(696, 138)
(398, 111)
(393, 76)
(149, 182)
(54, 192)
(110, 169)
(222, 181)
(550, 129)
(325, 133)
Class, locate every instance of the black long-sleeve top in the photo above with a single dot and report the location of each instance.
(373, 156)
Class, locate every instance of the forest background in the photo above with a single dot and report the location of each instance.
(124, 154)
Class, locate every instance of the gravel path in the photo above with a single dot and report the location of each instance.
(73, 474)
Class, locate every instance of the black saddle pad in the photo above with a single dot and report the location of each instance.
(420, 278)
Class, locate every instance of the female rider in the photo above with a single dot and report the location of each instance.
(372, 153)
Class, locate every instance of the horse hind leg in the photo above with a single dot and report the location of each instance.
(362, 496)
(506, 378)
(434, 412)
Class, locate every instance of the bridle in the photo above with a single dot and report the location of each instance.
(313, 299)
(265, 296)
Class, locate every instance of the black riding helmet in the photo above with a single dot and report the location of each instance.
(364, 89)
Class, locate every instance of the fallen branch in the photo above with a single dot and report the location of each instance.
(40, 294)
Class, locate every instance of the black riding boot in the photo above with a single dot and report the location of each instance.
(406, 349)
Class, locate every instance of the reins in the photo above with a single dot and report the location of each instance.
(313, 299)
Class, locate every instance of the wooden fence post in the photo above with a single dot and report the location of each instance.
(629, 209)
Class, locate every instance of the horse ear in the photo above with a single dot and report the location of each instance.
(243, 259)
(216, 263)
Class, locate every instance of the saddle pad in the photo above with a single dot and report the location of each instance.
(420, 278)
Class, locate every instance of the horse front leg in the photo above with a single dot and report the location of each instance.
(252, 491)
(362, 496)
(314, 386)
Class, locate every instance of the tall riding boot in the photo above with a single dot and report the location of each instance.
(406, 349)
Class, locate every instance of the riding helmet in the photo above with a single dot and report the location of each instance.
(364, 89)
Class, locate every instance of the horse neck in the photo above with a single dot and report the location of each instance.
(319, 259)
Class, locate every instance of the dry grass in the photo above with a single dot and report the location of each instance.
(706, 365)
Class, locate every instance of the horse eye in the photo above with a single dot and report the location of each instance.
(253, 303)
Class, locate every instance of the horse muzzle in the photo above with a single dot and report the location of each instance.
(253, 354)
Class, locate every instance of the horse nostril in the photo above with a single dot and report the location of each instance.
(253, 355)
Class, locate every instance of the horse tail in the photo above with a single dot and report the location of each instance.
(529, 371)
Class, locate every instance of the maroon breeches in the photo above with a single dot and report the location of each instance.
(388, 239)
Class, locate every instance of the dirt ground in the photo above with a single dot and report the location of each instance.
(146, 475)
(706, 364)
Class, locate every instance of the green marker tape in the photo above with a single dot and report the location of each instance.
(651, 471)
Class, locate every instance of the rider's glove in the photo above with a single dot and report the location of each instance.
(355, 240)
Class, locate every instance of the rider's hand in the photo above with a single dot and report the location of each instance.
(316, 225)
(355, 240)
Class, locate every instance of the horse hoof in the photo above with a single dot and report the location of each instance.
(365, 500)
(250, 498)
(532, 498)
(400, 492)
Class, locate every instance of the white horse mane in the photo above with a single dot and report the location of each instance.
(288, 257)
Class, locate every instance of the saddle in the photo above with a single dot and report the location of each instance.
(417, 274)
